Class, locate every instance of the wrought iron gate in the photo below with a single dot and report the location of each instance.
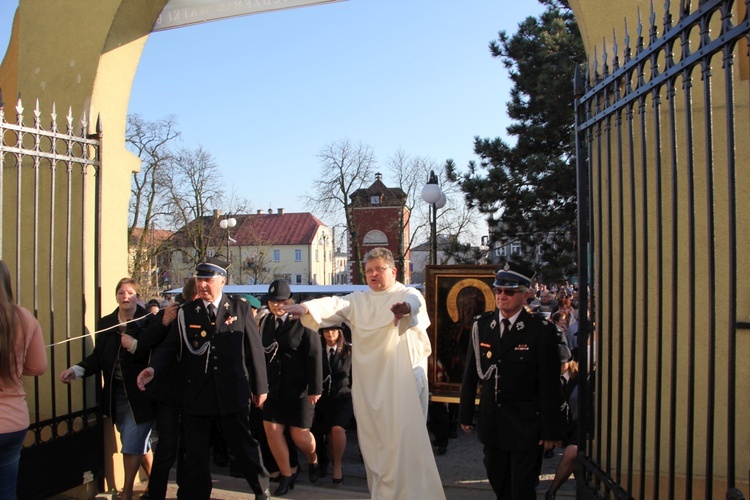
(662, 165)
(48, 179)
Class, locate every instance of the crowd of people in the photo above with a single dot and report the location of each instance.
(210, 374)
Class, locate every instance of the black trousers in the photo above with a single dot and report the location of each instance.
(236, 430)
(512, 474)
(169, 447)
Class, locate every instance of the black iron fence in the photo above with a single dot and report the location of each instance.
(48, 191)
(662, 134)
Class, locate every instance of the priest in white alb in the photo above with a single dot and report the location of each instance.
(389, 339)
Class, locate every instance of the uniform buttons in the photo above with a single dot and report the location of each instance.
(216, 358)
(213, 347)
(216, 368)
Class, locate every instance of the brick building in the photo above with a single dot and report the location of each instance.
(382, 220)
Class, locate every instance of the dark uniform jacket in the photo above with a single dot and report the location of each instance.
(218, 381)
(168, 383)
(107, 352)
(521, 401)
(337, 372)
(295, 368)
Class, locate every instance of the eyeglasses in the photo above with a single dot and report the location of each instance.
(376, 270)
(510, 292)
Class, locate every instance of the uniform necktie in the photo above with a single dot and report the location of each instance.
(212, 313)
(331, 351)
(279, 322)
(506, 327)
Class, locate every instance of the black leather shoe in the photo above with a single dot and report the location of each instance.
(313, 470)
(286, 483)
(266, 495)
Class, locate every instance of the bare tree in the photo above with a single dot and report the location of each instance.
(408, 174)
(148, 204)
(345, 167)
(193, 188)
(455, 220)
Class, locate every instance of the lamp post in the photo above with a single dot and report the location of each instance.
(432, 194)
(227, 224)
(323, 239)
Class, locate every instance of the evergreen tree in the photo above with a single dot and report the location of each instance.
(527, 191)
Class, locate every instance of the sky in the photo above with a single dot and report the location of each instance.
(265, 93)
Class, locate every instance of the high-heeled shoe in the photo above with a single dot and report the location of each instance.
(338, 480)
(313, 470)
(286, 483)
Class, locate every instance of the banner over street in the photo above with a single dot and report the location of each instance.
(178, 13)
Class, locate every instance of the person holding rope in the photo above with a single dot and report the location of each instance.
(131, 411)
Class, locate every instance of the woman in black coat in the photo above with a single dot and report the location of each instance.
(129, 408)
(294, 367)
(334, 411)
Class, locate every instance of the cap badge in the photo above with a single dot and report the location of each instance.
(507, 267)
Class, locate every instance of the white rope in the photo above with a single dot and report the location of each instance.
(98, 331)
(478, 358)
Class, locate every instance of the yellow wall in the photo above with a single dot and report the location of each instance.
(601, 23)
(81, 55)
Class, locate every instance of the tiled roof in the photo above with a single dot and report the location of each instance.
(276, 229)
(391, 196)
(158, 235)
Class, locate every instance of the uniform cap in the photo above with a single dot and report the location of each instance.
(279, 290)
(211, 268)
(513, 276)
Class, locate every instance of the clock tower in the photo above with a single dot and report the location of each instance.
(382, 220)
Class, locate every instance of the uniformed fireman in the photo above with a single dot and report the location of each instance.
(515, 357)
(216, 339)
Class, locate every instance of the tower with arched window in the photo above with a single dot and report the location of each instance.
(381, 216)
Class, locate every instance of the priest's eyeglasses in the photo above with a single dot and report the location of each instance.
(376, 270)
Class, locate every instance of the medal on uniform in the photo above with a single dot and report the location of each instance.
(493, 324)
(489, 354)
(203, 333)
(197, 308)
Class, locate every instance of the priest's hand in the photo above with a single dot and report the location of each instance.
(399, 311)
(295, 310)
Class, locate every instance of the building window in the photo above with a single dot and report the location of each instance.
(502, 251)
(375, 199)
(298, 279)
(317, 258)
(515, 249)
(277, 255)
(298, 256)
(375, 238)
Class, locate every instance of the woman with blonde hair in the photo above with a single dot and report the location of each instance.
(21, 353)
(117, 357)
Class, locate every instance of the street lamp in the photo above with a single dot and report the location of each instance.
(227, 224)
(323, 239)
(432, 194)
